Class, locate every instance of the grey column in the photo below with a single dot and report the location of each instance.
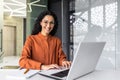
(65, 27)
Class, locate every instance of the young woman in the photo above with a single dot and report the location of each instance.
(42, 50)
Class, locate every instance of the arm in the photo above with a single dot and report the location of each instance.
(61, 54)
(62, 57)
(25, 60)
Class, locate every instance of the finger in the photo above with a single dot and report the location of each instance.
(52, 66)
(65, 64)
(55, 66)
(69, 63)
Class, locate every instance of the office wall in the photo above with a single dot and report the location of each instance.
(1, 14)
(1, 23)
(17, 22)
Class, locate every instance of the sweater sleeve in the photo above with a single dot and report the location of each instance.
(62, 56)
(25, 60)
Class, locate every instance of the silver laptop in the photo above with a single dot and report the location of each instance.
(84, 62)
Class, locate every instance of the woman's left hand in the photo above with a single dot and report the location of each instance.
(66, 64)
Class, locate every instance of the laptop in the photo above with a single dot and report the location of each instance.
(84, 62)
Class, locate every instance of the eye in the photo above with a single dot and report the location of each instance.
(45, 22)
(52, 23)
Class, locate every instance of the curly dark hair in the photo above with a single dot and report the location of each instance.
(37, 27)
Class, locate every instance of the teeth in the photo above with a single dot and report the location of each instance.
(47, 29)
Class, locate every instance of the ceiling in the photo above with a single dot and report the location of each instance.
(15, 8)
(18, 7)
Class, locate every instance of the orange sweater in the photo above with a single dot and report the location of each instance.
(39, 50)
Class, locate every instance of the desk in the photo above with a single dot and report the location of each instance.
(10, 60)
(102, 75)
(96, 75)
(15, 74)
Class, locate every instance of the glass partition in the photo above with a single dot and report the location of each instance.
(95, 21)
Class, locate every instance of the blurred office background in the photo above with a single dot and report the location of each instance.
(79, 20)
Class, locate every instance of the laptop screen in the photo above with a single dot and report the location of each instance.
(86, 58)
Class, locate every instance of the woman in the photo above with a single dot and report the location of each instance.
(42, 50)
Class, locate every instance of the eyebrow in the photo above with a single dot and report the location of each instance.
(48, 21)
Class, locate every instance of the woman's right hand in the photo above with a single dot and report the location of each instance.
(51, 66)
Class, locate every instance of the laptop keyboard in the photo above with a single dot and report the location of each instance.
(61, 74)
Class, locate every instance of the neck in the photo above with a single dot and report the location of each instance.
(44, 34)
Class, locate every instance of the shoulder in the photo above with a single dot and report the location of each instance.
(31, 37)
(55, 38)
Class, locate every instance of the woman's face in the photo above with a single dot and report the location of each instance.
(47, 24)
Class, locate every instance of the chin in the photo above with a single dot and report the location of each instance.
(48, 32)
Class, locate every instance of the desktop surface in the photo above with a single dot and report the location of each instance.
(102, 75)
(7, 74)
(96, 75)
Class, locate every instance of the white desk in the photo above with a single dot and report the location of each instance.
(10, 60)
(13, 60)
(15, 74)
(96, 75)
(102, 75)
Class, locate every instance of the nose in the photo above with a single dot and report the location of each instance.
(48, 24)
